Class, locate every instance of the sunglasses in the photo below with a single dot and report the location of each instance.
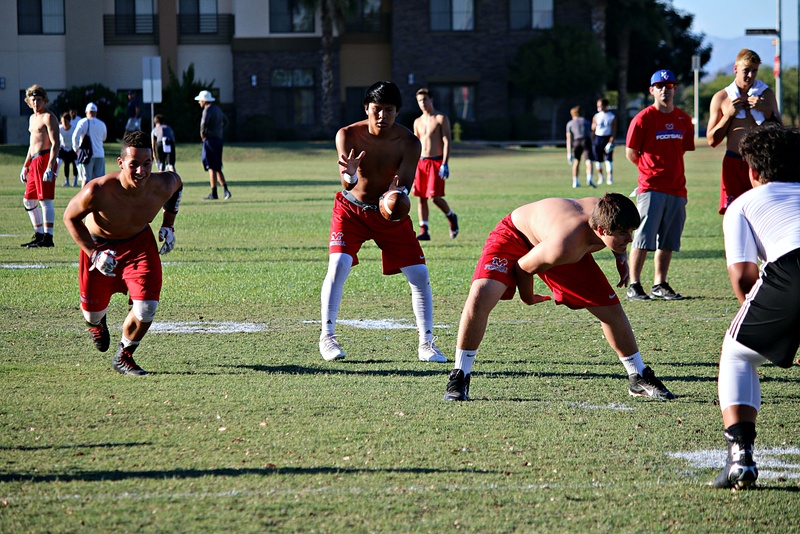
(661, 85)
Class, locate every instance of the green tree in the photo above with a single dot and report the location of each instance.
(563, 63)
(332, 16)
(646, 35)
(77, 97)
(178, 105)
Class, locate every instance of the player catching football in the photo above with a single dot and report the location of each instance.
(555, 239)
(110, 221)
(375, 155)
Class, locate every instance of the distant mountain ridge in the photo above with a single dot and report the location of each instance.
(725, 50)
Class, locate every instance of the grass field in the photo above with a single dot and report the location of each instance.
(241, 426)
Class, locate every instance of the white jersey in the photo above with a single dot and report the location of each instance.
(603, 121)
(65, 136)
(763, 223)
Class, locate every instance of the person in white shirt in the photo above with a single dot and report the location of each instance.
(761, 224)
(604, 130)
(96, 130)
(66, 155)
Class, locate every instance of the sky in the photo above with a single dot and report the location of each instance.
(730, 18)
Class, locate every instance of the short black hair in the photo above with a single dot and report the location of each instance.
(772, 151)
(137, 139)
(383, 93)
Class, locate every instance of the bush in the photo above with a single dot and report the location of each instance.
(259, 128)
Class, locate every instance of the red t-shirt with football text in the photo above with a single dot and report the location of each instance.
(661, 140)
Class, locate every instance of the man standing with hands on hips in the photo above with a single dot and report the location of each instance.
(211, 126)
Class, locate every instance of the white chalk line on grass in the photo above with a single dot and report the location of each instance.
(378, 324)
(769, 460)
(24, 266)
(205, 327)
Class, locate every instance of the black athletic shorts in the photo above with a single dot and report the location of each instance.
(769, 320)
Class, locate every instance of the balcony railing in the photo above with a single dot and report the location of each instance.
(130, 30)
(205, 29)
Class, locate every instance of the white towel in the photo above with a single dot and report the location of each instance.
(758, 88)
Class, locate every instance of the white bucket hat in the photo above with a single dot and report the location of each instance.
(205, 96)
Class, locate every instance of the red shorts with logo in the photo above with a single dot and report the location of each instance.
(427, 182)
(138, 272)
(577, 285)
(735, 179)
(36, 188)
(352, 225)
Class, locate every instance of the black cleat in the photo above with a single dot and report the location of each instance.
(45, 242)
(423, 234)
(740, 471)
(457, 386)
(453, 218)
(38, 236)
(212, 196)
(636, 292)
(123, 363)
(647, 385)
(664, 291)
(227, 195)
(100, 335)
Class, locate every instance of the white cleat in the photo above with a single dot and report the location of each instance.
(428, 352)
(329, 348)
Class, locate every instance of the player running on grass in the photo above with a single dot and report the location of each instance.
(110, 221)
(374, 155)
(761, 224)
(555, 239)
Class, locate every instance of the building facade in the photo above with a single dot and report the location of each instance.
(265, 57)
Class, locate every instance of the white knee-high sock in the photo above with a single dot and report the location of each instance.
(339, 265)
(421, 299)
(35, 213)
(49, 216)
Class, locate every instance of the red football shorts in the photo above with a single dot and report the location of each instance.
(577, 285)
(138, 272)
(352, 225)
(735, 179)
(427, 182)
(36, 188)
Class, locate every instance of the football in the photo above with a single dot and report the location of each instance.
(394, 205)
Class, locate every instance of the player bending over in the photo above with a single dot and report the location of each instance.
(555, 239)
(110, 221)
(761, 224)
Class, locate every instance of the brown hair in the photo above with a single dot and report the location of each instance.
(615, 213)
(746, 55)
(35, 90)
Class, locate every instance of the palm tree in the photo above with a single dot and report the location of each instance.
(332, 16)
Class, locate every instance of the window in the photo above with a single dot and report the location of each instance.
(456, 101)
(292, 92)
(40, 17)
(290, 16)
(452, 15)
(134, 16)
(198, 16)
(365, 17)
(531, 14)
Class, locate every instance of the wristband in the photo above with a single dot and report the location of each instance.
(350, 178)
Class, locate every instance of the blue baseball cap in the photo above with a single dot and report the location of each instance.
(663, 76)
